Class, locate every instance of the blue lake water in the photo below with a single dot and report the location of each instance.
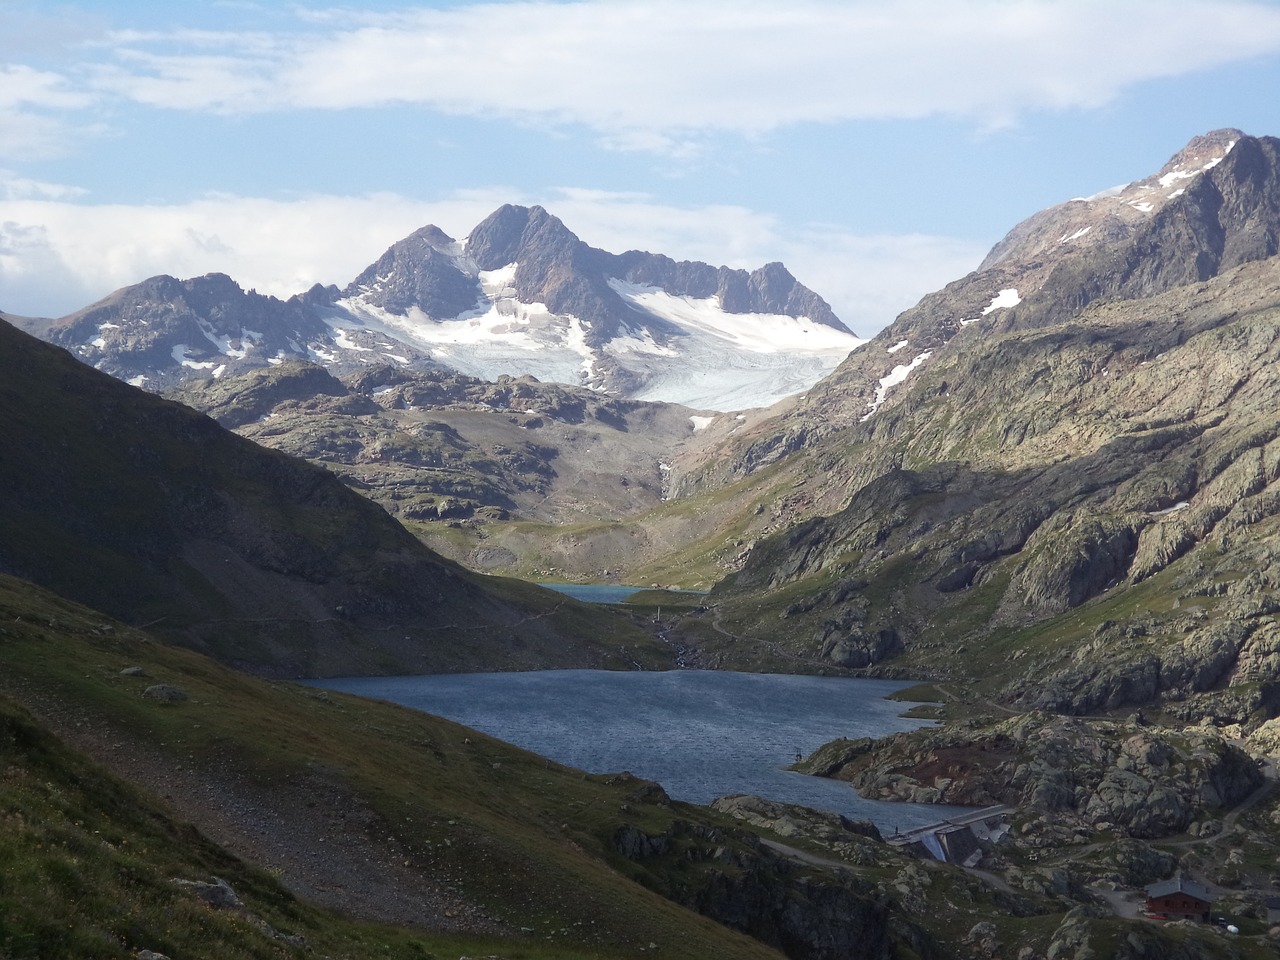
(701, 734)
(602, 592)
(593, 592)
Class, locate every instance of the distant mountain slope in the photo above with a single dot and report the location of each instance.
(155, 514)
(521, 295)
(432, 446)
(1214, 206)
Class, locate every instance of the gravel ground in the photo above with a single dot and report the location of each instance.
(324, 843)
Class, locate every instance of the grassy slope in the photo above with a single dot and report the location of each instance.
(511, 837)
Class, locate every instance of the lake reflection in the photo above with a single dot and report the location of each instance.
(701, 734)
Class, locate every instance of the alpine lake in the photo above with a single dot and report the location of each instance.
(701, 734)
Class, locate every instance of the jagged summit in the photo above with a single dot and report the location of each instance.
(1117, 213)
(520, 295)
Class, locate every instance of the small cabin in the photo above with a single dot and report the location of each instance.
(1179, 899)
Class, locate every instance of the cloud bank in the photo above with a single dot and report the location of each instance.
(658, 74)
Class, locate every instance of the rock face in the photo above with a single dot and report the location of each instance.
(521, 295)
(746, 886)
(789, 820)
(1145, 781)
(165, 692)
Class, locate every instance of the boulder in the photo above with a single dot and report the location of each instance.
(165, 692)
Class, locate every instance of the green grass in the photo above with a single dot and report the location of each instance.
(919, 693)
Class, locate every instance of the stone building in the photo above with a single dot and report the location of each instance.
(1179, 899)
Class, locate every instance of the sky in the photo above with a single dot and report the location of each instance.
(878, 148)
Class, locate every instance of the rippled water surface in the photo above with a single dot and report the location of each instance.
(701, 734)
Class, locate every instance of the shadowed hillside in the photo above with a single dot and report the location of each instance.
(155, 514)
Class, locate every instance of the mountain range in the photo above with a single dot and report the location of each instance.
(520, 295)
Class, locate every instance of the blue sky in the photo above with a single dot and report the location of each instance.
(877, 148)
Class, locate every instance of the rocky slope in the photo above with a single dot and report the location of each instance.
(1136, 779)
(1082, 509)
(1213, 207)
(155, 514)
(521, 295)
(442, 446)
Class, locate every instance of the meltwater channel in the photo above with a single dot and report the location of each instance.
(701, 734)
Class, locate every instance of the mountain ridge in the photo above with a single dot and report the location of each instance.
(521, 295)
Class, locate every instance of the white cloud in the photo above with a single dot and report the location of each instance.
(57, 256)
(33, 111)
(651, 74)
(14, 187)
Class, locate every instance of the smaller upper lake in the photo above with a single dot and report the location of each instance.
(593, 592)
(701, 734)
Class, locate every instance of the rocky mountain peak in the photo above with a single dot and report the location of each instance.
(1200, 154)
(512, 233)
(418, 271)
(1214, 206)
(1112, 215)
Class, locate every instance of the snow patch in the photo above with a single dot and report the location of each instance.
(341, 339)
(1173, 176)
(698, 354)
(108, 325)
(98, 342)
(898, 375)
(1067, 238)
(237, 348)
(1144, 205)
(137, 381)
(179, 354)
(503, 336)
(640, 342)
(757, 332)
(700, 423)
(897, 346)
(577, 341)
(1177, 193)
(316, 352)
(499, 283)
(1102, 194)
(1003, 300)
(1180, 505)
